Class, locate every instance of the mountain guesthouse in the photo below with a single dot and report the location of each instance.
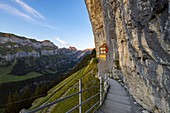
(103, 51)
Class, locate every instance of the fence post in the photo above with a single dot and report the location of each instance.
(101, 91)
(105, 83)
(80, 96)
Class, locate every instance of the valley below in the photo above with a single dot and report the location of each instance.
(29, 68)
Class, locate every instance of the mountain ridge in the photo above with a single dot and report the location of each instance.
(35, 55)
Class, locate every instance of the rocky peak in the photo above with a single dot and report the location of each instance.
(47, 43)
(72, 48)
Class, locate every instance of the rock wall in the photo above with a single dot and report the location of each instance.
(96, 16)
(138, 37)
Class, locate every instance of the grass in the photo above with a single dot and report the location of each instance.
(6, 77)
(70, 86)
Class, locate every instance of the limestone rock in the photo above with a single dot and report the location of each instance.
(137, 34)
(13, 47)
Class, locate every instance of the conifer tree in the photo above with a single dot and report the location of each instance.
(9, 105)
(37, 90)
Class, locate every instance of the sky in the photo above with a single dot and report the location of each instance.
(64, 22)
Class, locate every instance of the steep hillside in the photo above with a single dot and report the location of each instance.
(28, 62)
(137, 35)
(70, 86)
(18, 95)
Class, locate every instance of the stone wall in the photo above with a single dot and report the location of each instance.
(138, 37)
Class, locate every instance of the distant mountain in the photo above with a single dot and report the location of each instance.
(72, 48)
(29, 55)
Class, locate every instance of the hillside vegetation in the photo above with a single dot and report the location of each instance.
(41, 89)
(70, 86)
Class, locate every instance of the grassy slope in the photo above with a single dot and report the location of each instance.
(6, 77)
(70, 86)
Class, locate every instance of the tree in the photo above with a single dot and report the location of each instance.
(9, 106)
(26, 92)
(26, 95)
(13, 105)
(16, 98)
(37, 91)
(19, 68)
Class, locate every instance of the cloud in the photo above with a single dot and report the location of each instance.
(48, 26)
(61, 42)
(29, 9)
(25, 15)
(15, 11)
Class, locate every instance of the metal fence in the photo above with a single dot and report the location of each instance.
(104, 85)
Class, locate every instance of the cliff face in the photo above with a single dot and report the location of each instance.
(138, 38)
(13, 47)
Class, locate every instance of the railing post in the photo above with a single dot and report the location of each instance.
(101, 91)
(105, 76)
(105, 83)
(80, 96)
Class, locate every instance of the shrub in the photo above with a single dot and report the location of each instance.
(117, 64)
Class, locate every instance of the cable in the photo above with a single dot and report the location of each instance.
(21, 101)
